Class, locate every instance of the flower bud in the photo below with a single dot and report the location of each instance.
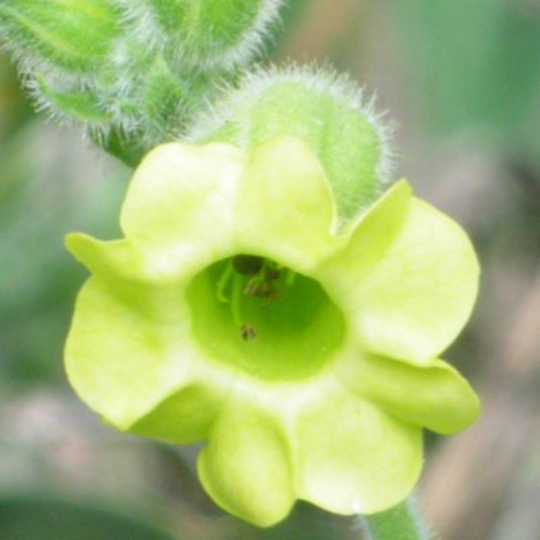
(205, 32)
(148, 100)
(168, 99)
(325, 111)
(73, 35)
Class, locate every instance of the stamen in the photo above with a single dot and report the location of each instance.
(254, 278)
(223, 282)
(290, 277)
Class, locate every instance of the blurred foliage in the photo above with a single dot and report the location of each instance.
(476, 66)
(290, 15)
(15, 110)
(40, 200)
(43, 518)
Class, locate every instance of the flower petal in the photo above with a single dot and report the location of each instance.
(181, 201)
(128, 277)
(353, 458)
(124, 361)
(114, 261)
(382, 220)
(286, 210)
(245, 467)
(185, 417)
(410, 299)
(436, 396)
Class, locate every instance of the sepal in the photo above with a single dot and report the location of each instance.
(205, 33)
(81, 103)
(74, 35)
(327, 112)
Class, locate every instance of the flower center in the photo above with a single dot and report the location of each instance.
(263, 317)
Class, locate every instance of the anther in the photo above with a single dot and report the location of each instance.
(248, 332)
(248, 265)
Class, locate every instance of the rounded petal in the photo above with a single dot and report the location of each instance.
(436, 396)
(286, 210)
(181, 199)
(245, 467)
(410, 298)
(124, 361)
(353, 458)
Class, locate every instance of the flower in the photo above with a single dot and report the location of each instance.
(236, 311)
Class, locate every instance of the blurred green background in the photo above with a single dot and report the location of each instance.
(462, 80)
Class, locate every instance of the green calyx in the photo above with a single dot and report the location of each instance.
(327, 112)
(264, 318)
(81, 103)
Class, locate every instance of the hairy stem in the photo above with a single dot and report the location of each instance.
(402, 522)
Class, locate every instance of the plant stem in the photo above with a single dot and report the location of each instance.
(402, 522)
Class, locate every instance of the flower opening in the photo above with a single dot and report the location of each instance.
(264, 318)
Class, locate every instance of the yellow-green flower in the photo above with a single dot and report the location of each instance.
(236, 312)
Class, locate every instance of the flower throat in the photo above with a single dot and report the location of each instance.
(248, 278)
